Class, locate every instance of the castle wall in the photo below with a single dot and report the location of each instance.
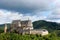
(26, 27)
(42, 32)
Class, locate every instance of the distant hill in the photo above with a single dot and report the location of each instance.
(51, 26)
(41, 24)
(3, 25)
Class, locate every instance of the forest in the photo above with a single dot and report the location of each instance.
(14, 36)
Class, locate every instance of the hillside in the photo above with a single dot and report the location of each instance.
(51, 26)
(2, 27)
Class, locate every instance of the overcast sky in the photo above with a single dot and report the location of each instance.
(33, 9)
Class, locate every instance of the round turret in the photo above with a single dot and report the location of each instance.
(5, 29)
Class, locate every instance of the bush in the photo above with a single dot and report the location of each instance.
(14, 36)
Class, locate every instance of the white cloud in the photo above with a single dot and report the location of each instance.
(8, 16)
(54, 16)
(58, 21)
(41, 10)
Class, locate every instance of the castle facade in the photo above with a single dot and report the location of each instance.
(25, 27)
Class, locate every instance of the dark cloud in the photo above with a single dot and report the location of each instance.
(40, 9)
(25, 6)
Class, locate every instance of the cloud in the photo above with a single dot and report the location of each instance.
(54, 16)
(8, 16)
(26, 5)
(32, 9)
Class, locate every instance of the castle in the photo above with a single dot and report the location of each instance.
(25, 27)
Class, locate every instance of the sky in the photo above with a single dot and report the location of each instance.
(34, 10)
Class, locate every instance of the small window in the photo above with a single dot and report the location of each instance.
(44, 30)
(23, 26)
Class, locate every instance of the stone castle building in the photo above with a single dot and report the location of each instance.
(25, 27)
(22, 27)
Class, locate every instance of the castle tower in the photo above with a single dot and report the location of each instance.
(19, 24)
(5, 29)
(30, 25)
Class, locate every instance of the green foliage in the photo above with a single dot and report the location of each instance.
(1, 30)
(57, 32)
(41, 24)
(50, 26)
(14, 36)
(54, 29)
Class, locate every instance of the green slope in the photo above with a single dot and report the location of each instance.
(2, 27)
(51, 26)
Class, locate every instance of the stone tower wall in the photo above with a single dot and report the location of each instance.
(5, 29)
